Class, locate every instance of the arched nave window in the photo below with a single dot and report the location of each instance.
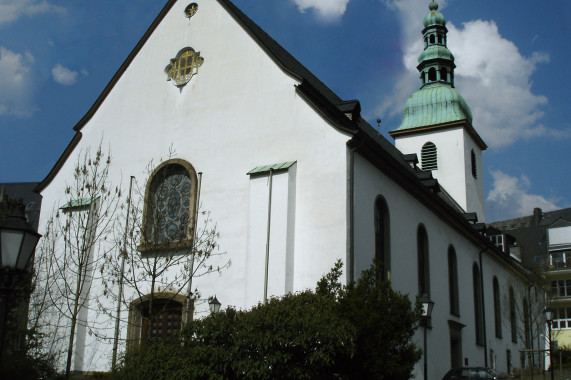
(423, 261)
(382, 239)
(497, 309)
(513, 319)
(453, 282)
(478, 310)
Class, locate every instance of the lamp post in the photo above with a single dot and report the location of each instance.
(214, 304)
(548, 312)
(18, 240)
(427, 305)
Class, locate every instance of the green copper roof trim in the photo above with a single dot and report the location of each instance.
(274, 167)
(78, 203)
(434, 104)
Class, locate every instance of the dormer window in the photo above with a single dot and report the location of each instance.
(429, 157)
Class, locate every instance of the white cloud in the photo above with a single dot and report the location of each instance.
(63, 75)
(11, 10)
(16, 83)
(327, 9)
(510, 197)
(491, 74)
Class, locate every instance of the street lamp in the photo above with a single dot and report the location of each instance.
(214, 304)
(427, 305)
(18, 240)
(548, 312)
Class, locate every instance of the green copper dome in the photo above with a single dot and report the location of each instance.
(434, 17)
(434, 105)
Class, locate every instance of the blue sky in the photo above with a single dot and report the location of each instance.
(56, 56)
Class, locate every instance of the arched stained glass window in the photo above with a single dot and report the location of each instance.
(170, 207)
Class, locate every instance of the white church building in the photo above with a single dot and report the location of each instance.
(294, 179)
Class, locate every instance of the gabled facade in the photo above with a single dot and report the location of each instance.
(294, 178)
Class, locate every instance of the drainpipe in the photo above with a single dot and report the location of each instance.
(483, 308)
(121, 273)
(189, 308)
(268, 238)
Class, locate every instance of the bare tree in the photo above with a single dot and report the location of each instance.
(75, 241)
(522, 311)
(164, 246)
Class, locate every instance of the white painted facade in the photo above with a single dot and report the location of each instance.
(242, 111)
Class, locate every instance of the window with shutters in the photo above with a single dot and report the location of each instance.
(429, 157)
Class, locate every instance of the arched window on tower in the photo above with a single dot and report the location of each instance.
(439, 39)
(382, 239)
(423, 77)
(432, 39)
(429, 157)
(474, 169)
(431, 74)
(444, 74)
(423, 261)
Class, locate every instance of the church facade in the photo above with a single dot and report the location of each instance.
(239, 133)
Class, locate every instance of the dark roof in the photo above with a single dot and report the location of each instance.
(366, 139)
(530, 232)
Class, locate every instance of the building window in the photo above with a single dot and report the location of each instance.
(453, 282)
(559, 260)
(478, 311)
(497, 309)
(498, 241)
(561, 318)
(513, 319)
(423, 261)
(561, 288)
(382, 239)
(429, 157)
(170, 207)
(157, 323)
(474, 169)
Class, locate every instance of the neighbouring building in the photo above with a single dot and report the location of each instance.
(542, 241)
(294, 179)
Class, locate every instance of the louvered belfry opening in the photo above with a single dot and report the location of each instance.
(429, 157)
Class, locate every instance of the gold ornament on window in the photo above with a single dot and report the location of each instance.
(191, 10)
(184, 66)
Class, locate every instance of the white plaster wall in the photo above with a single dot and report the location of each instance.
(239, 112)
(454, 173)
(406, 213)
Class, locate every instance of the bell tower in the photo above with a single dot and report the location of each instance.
(437, 122)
